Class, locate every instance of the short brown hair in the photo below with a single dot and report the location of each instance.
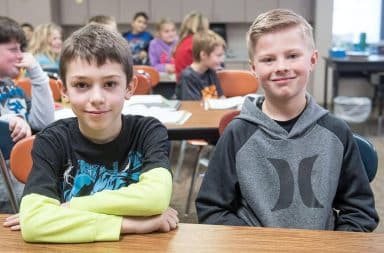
(205, 42)
(275, 20)
(95, 43)
(10, 30)
(102, 19)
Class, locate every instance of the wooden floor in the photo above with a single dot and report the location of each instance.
(181, 185)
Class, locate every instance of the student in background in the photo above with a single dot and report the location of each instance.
(106, 174)
(138, 39)
(22, 112)
(161, 48)
(45, 45)
(107, 21)
(193, 22)
(28, 31)
(285, 161)
(199, 80)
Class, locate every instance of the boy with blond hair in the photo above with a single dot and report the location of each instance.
(199, 80)
(100, 174)
(285, 161)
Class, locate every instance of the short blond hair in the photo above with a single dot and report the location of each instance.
(205, 42)
(275, 20)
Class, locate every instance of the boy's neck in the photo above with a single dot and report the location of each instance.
(283, 110)
(199, 67)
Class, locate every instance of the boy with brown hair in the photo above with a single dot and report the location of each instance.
(285, 161)
(199, 80)
(107, 21)
(100, 174)
(22, 112)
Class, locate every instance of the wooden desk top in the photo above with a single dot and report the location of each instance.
(203, 124)
(207, 238)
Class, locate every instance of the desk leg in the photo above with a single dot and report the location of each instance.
(325, 86)
(335, 85)
(380, 97)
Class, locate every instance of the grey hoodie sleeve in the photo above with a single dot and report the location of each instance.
(219, 198)
(42, 108)
(354, 197)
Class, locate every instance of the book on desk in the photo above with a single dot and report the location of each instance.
(166, 111)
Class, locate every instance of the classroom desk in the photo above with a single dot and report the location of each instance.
(203, 124)
(209, 238)
(374, 63)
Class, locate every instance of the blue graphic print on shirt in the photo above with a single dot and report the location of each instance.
(12, 100)
(92, 178)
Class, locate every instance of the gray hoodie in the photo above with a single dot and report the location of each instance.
(311, 177)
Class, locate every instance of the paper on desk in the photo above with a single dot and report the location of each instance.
(224, 103)
(153, 101)
(64, 113)
(165, 115)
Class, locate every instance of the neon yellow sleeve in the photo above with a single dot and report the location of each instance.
(42, 219)
(150, 196)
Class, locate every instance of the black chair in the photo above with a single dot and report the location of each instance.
(368, 154)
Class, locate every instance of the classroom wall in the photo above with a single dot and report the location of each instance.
(42, 11)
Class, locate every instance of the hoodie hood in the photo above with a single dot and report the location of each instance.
(252, 113)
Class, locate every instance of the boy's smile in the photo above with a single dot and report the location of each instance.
(97, 95)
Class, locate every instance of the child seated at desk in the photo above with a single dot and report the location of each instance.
(101, 174)
(199, 80)
(285, 161)
(22, 112)
(161, 48)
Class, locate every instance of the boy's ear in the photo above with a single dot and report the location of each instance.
(314, 59)
(63, 91)
(252, 68)
(131, 87)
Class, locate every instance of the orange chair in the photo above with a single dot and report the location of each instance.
(151, 71)
(237, 82)
(55, 88)
(25, 84)
(20, 161)
(226, 119)
(143, 86)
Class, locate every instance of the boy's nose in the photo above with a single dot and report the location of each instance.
(281, 65)
(97, 95)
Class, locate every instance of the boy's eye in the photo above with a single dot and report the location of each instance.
(267, 60)
(292, 56)
(110, 84)
(80, 85)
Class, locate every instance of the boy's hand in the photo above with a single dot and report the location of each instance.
(169, 68)
(168, 220)
(142, 55)
(27, 62)
(19, 128)
(13, 222)
(164, 222)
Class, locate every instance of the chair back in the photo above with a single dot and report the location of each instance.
(143, 86)
(237, 82)
(55, 88)
(151, 71)
(20, 160)
(25, 84)
(226, 119)
(368, 155)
